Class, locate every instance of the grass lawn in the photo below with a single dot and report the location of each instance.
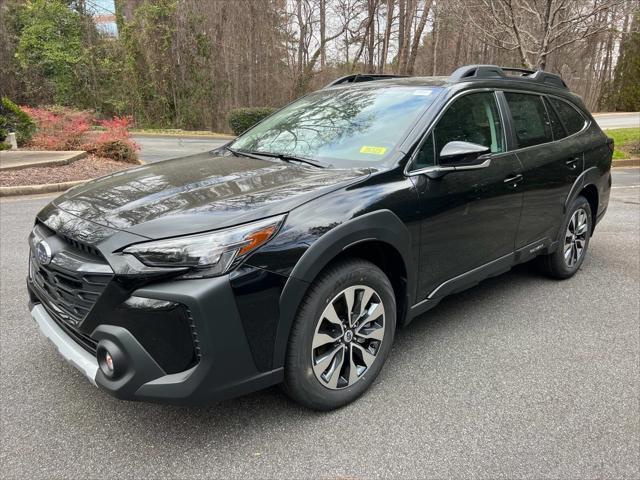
(627, 142)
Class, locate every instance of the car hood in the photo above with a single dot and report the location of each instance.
(198, 193)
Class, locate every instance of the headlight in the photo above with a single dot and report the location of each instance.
(208, 254)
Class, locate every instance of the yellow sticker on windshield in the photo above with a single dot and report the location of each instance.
(373, 150)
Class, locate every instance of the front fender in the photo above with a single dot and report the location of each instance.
(382, 226)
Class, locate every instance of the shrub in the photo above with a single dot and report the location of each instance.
(12, 118)
(59, 128)
(114, 142)
(62, 128)
(242, 119)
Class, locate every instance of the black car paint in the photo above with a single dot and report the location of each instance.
(421, 225)
(199, 193)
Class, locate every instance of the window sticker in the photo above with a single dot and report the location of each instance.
(423, 93)
(373, 150)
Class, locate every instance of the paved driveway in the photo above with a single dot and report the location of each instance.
(520, 377)
(156, 148)
(618, 120)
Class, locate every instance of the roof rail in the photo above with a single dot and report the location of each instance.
(494, 71)
(362, 77)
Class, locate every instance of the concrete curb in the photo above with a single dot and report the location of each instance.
(211, 136)
(632, 162)
(46, 187)
(602, 114)
(35, 189)
(50, 163)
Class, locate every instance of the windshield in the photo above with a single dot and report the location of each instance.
(344, 127)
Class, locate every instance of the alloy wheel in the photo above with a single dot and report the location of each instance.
(576, 237)
(348, 337)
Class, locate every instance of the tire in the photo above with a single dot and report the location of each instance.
(320, 346)
(574, 242)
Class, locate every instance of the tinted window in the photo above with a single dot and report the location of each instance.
(343, 127)
(426, 155)
(530, 119)
(569, 116)
(472, 118)
(556, 126)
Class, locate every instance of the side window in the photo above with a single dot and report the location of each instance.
(530, 119)
(556, 125)
(572, 120)
(425, 157)
(472, 118)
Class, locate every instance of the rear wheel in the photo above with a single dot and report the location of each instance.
(341, 337)
(568, 258)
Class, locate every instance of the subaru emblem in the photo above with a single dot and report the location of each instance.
(43, 253)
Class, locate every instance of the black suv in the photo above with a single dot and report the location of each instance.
(293, 253)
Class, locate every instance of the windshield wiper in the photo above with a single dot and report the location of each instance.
(292, 158)
(279, 156)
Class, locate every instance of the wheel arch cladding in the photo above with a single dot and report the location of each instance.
(586, 185)
(381, 228)
(590, 192)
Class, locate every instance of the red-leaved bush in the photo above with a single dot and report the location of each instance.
(114, 142)
(61, 128)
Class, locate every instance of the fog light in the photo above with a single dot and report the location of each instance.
(111, 360)
(108, 360)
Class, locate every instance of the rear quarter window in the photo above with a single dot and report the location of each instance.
(573, 120)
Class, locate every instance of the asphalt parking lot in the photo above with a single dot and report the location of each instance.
(520, 377)
(156, 148)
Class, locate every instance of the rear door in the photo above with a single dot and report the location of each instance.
(551, 164)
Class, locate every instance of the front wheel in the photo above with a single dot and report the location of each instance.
(342, 335)
(574, 241)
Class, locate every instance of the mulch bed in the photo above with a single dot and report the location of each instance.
(83, 169)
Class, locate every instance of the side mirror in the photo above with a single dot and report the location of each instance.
(462, 154)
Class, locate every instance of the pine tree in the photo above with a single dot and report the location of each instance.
(624, 91)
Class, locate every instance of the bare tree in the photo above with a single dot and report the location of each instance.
(417, 36)
(537, 28)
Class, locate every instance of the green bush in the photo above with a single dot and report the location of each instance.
(242, 119)
(12, 118)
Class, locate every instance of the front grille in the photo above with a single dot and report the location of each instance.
(85, 341)
(83, 247)
(70, 284)
(70, 294)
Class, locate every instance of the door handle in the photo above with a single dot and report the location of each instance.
(515, 180)
(572, 163)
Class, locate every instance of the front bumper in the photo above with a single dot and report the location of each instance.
(67, 347)
(225, 369)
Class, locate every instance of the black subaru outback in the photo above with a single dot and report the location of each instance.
(293, 253)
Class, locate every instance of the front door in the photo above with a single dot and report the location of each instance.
(469, 218)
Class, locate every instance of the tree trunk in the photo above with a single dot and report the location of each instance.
(410, 11)
(323, 7)
(418, 36)
(372, 6)
(387, 35)
(302, 33)
(401, 34)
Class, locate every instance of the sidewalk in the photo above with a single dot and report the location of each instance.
(17, 159)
